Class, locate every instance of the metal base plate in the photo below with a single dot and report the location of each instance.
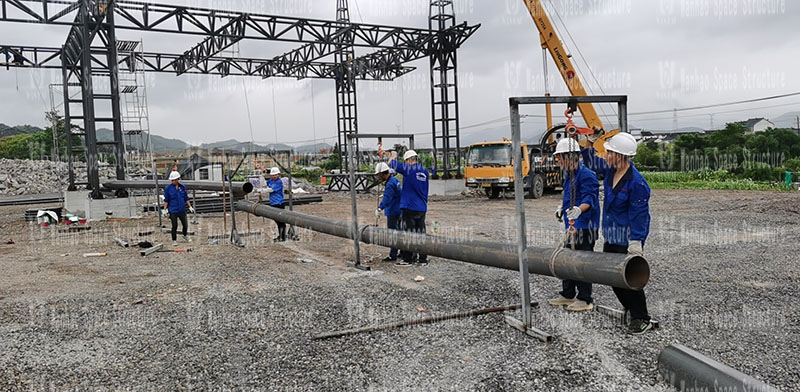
(529, 330)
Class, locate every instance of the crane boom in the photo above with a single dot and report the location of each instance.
(551, 42)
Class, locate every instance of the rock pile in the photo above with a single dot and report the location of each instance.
(28, 177)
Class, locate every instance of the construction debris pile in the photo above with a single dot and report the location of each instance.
(28, 177)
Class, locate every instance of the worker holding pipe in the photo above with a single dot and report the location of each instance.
(390, 204)
(581, 206)
(413, 200)
(176, 202)
(626, 216)
(275, 191)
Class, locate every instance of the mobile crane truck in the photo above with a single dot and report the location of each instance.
(489, 164)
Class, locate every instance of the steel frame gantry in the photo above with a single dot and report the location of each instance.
(91, 52)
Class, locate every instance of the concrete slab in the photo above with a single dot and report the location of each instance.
(78, 203)
(446, 187)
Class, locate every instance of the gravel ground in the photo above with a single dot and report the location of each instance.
(725, 268)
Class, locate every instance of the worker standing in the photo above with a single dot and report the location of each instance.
(176, 202)
(275, 191)
(581, 206)
(626, 216)
(390, 203)
(413, 200)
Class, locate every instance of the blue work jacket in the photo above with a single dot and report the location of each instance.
(176, 198)
(626, 207)
(390, 204)
(414, 195)
(587, 190)
(276, 197)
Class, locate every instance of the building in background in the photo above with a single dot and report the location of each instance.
(758, 124)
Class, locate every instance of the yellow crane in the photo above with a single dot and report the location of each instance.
(489, 164)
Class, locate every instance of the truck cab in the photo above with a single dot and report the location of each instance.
(490, 167)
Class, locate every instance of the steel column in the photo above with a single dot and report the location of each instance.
(519, 199)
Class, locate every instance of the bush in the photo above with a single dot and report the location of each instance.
(792, 165)
(758, 171)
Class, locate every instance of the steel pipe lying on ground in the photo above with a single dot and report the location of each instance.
(688, 370)
(239, 188)
(612, 269)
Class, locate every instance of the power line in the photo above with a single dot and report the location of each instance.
(716, 105)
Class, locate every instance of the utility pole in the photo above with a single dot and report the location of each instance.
(675, 120)
(798, 124)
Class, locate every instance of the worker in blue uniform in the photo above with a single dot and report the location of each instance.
(581, 206)
(275, 191)
(626, 216)
(176, 202)
(413, 200)
(390, 203)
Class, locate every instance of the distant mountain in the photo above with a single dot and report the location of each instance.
(531, 133)
(312, 148)
(235, 145)
(6, 130)
(160, 144)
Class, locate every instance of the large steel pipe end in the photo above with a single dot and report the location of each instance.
(247, 187)
(637, 272)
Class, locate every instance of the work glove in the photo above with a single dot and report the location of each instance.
(635, 248)
(378, 213)
(559, 214)
(191, 209)
(164, 212)
(573, 213)
(270, 190)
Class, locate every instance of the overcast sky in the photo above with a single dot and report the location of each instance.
(661, 53)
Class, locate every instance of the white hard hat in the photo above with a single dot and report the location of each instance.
(174, 175)
(274, 171)
(566, 145)
(381, 167)
(409, 154)
(622, 143)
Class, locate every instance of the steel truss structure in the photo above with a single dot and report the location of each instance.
(90, 58)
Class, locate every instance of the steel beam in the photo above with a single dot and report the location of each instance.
(239, 188)
(165, 18)
(50, 58)
(612, 269)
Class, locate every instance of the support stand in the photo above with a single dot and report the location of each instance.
(523, 325)
(351, 169)
(235, 239)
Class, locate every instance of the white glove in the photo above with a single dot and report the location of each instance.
(635, 248)
(573, 213)
(164, 212)
(270, 190)
(191, 209)
(378, 213)
(559, 214)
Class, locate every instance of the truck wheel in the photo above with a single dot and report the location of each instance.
(493, 193)
(537, 186)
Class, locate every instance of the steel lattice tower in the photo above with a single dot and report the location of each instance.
(346, 108)
(444, 91)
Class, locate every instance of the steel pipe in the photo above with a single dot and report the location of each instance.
(239, 188)
(688, 370)
(612, 269)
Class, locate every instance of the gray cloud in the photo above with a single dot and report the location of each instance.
(663, 54)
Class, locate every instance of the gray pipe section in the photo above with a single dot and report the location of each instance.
(612, 269)
(239, 188)
(688, 370)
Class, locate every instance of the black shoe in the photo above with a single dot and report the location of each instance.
(278, 239)
(638, 327)
(402, 263)
(422, 262)
(388, 259)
